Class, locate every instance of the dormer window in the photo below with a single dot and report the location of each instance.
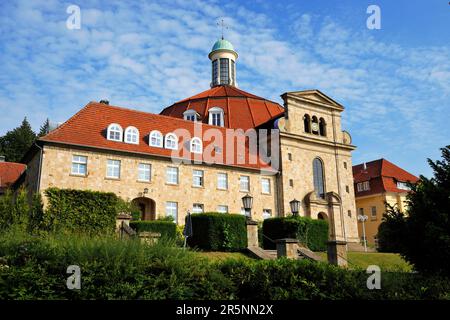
(114, 132)
(190, 115)
(403, 186)
(155, 139)
(132, 135)
(196, 145)
(171, 141)
(216, 116)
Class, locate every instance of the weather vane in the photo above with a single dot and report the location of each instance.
(222, 23)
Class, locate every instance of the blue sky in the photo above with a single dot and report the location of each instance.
(394, 82)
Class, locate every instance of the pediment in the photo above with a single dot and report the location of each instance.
(316, 96)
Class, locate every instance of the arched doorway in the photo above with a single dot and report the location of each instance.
(322, 216)
(147, 208)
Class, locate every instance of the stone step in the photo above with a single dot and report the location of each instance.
(262, 254)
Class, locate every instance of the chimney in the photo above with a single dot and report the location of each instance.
(104, 102)
(2, 158)
(364, 166)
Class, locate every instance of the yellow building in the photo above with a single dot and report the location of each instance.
(206, 152)
(376, 183)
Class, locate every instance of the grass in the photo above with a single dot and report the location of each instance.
(386, 261)
(221, 256)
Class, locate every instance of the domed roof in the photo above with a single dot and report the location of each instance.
(241, 109)
(222, 44)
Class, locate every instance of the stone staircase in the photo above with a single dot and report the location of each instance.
(303, 253)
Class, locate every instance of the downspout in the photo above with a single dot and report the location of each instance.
(338, 177)
(40, 167)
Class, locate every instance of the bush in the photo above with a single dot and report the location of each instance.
(391, 231)
(311, 233)
(166, 228)
(81, 211)
(218, 231)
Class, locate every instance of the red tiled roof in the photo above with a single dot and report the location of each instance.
(10, 172)
(88, 128)
(242, 110)
(383, 176)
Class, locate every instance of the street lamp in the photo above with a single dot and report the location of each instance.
(145, 191)
(295, 204)
(363, 218)
(247, 202)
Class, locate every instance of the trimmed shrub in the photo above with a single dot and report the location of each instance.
(80, 211)
(166, 228)
(218, 231)
(311, 233)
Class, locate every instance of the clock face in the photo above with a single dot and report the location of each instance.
(315, 127)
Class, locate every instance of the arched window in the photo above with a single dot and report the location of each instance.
(114, 132)
(318, 176)
(322, 127)
(190, 115)
(315, 125)
(171, 141)
(155, 139)
(196, 145)
(215, 116)
(132, 135)
(307, 123)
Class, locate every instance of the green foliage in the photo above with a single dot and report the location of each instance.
(15, 143)
(391, 231)
(80, 211)
(167, 229)
(128, 207)
(14, 211)
(218, 231)
(44, 129)
(311, 233)
(35, 268)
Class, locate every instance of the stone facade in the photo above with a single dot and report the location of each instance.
(56, 172)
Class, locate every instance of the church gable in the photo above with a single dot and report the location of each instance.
(315, 96)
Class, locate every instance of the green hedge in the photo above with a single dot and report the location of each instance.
(80, 210)
(218, 231)
(310, 232)
(167, 229)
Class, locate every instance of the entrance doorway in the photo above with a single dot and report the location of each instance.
(322, 216)
(147, 208)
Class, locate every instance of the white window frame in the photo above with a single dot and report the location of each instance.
(265, 215)
(263, 181)
(372, 215)
(172, 210)
(114, 128)
(112, 164)
(403, 186)
(77, 160)
(169, 173)
(198, 205)
(195, 141)
(241, 181)
(222, 177)
(169, 139)
(216, 111)
(132, 133)
(190, 115)
(158, 135)
(221, 208)
(198, 176)
(144, 170)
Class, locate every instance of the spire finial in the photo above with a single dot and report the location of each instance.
(222, 24)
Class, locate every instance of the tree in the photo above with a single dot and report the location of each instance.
(391, 231)
(426, 242)
(15, 143)
(45, 128)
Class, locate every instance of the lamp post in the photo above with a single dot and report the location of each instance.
(363, 218)
(145, 191)
(295, 204)
(247, 202)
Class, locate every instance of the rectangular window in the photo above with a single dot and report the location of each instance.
(290, 156)
(172, 175)
(363, 186)
(197, 208)
(403, 186)
(214, 71)
(291, 183)
(244, 182)
(345, 165)
(361, 211)
(144, 172)
(374, 212)
(366, 185)
(197, 178)
(347, 189)
(267, 213)
(172, 210)
(233, 70)
(222, 181)
(349, 213)
(222, 209)
(224, 71)
(113, 169)
(79, 165)
(265, 185)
